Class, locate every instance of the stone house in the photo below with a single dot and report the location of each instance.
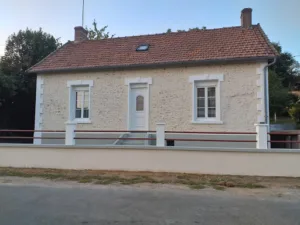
(199, 80)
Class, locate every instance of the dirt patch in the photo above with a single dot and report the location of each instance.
(194, 181)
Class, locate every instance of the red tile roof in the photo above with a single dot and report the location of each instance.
(232, 43)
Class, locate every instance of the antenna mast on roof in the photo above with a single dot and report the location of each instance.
(82, 13)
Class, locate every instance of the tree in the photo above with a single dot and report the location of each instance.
(169, 31)
(25, 49)
(286, 67)
(7, 88)
(282, 76)
(96, 34)
(294, 112)
(190, 29)
(17, 89)
(278, 95)
(196, 28)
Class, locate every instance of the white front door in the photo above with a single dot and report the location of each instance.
(138, 107)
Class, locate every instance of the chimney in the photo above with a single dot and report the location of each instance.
(80, 34)
(246, 18)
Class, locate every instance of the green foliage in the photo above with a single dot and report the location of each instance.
(17, 89)
(197, 28)
(282, 75)
(190, 29)
(169, 31)
(7, 88)
(294, 112)
(278, 94)
(96, 34)
(25, 49)
(286, 67)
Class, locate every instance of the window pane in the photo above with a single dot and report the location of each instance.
(86, 95)
(78, 113)
(200, 92)
(85, 113)
(82, 103)
(211, 91)
(200, 112)
(86, 104)
(211, 102)
(211, 112)
(139, 103)
(79, 96)
(201, 102)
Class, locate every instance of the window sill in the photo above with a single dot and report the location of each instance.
(83, 121)
(207, 122)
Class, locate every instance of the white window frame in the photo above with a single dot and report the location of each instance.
(73, 85)
(207, 80)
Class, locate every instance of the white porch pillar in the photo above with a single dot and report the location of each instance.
(261, 136)
(70, 133)
(160, 134)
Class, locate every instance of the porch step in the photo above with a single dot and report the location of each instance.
(132, 142)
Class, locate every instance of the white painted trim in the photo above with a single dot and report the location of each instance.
(82, 120)
(128, 107)
(207, 121)
(160, 134)
(261, 136)
(72, 84)
(138, 80)
(260, 94)
(38, 122)
(207, 77)
(80, 82)
(259, 107)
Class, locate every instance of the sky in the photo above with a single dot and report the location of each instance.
(280, 19)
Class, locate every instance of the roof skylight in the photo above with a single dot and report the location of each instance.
(142, 47)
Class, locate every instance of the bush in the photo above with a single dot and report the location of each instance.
(294, 112)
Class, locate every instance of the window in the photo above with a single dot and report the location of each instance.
(80, 104)
(82, 100)
(143, 47)
(139, 103)
(206, 102)
(206, 98)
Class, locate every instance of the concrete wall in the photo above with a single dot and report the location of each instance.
(170, 97)
(193, 160)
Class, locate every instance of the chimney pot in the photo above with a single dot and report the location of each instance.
(246, 18)
(80, 34)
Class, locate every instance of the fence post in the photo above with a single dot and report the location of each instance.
(70, 133)
(160, 134)
(261, 136)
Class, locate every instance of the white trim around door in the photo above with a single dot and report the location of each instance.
(134, 84)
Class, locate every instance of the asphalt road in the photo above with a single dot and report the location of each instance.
(80, 204)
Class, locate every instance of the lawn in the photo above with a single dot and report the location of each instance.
(193, 181)
(282, 120)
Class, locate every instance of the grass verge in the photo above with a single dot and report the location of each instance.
(193, 181)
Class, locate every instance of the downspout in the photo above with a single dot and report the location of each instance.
(266, 89)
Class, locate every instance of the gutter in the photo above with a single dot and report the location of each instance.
(266, 93)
